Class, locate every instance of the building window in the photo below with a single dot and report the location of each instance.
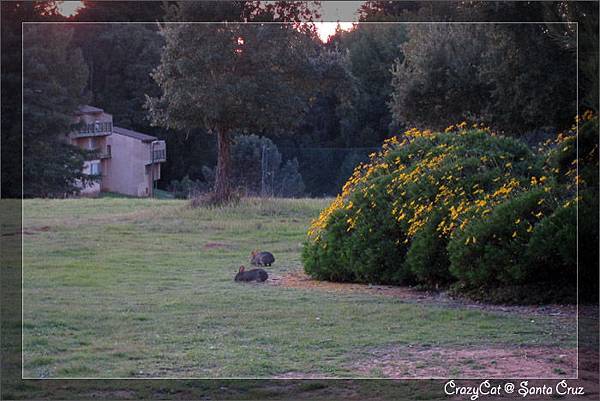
(95, 168)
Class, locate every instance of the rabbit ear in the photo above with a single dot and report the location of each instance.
(241, 269)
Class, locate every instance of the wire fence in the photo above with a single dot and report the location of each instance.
(325, 170)
(290, 172)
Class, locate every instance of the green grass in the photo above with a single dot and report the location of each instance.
(144, 288)
(158, 194)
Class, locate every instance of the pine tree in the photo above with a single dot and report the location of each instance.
(54, 77)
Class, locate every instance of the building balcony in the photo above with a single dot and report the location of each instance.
(104, 154)
(93, 129)
(99, 153)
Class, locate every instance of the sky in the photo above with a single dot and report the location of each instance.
(69, 8)
(331, 12)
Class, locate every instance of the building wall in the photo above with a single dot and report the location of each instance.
(127, 171)
(92, 142)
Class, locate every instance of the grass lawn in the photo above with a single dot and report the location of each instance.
(144, 288)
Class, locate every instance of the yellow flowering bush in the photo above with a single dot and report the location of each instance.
(462, 207)
(532, 238)
(493, 251)
(396, 214)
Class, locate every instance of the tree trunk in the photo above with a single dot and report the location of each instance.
(223, 174)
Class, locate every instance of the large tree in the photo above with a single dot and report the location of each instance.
(371, 50)
(513, 77)
(54, 78)
(13, 14)
(119, 82)
(231, 77)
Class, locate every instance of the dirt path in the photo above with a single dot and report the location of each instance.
(298, 279)
(470, 362)
(458, 362)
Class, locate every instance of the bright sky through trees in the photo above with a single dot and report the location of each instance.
(331, 12)
(69, 8)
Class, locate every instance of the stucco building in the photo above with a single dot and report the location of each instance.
(127, 161)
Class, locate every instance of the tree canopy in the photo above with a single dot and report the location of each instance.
(333, 101)
(232, 77)
(54, 78)
(511, 77)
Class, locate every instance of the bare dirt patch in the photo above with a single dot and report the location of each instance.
(298, 279)
(469, 362)
(303, 375)
(28, 231)
(215, 245)
(116, 394)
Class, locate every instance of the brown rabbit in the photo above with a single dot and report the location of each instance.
(251, 275)
(261, 258)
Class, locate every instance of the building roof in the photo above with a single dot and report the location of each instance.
(134, 134)
(89, 109)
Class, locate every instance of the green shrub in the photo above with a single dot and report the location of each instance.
(492, 251)
(427, 258)
(588, 245)
(479, 213)
(396, 214)
(552, 249)
(563, 163)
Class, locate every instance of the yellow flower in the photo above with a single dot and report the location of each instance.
(517, 221)
(514, 234)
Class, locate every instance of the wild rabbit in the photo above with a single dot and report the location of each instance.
(251, 275)
(261, 258)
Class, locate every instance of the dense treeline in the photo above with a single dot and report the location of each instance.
(367, 84)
